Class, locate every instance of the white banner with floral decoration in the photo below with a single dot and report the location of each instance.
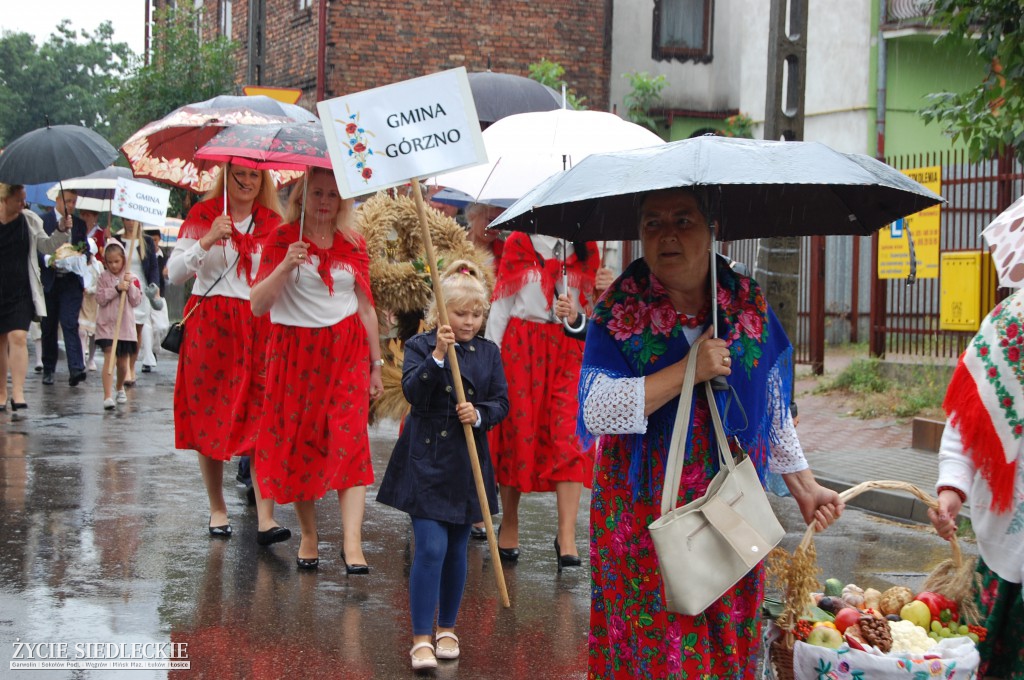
(384, 137)
(143, 202)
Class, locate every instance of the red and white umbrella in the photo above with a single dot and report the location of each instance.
(1005, 238)
(279, 146)
(165, 150)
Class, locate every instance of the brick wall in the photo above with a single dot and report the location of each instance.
(374, 43)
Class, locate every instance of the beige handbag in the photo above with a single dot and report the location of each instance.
(705, 547)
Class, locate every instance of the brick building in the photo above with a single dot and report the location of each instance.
(332, 48)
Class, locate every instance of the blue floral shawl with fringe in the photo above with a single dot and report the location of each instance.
(635, 331)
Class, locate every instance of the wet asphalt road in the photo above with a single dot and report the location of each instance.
(103, 539)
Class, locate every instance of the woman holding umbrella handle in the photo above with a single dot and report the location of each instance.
(638, 344)
(323, 365)
(218, 394)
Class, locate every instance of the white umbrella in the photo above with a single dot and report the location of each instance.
(1005, 238)
(527, 148)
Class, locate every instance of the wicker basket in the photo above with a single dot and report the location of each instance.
(781, 649)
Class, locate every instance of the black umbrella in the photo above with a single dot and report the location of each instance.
(756, 189)
(497, 95)
(54, 153)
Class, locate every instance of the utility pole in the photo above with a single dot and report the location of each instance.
(778, 259)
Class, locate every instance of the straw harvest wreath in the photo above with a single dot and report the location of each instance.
(400, 279)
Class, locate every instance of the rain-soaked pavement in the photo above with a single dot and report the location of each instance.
(103, 540)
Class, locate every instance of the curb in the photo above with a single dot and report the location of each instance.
(891, 504)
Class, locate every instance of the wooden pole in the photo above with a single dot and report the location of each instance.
(460, 393)
(120, 305)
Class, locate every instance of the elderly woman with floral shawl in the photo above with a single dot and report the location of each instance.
(980, 458)
(638, 345)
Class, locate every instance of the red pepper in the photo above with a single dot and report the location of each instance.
(942, 608)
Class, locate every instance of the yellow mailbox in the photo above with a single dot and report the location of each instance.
(968, 290)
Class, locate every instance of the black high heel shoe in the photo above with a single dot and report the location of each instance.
(507, 554)
(18, 405)
(565, 560)
(354, 569)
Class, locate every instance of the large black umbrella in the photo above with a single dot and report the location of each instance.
(497, 95)
(54, 153)
(757, 189)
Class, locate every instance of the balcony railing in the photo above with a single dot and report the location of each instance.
(908, 13)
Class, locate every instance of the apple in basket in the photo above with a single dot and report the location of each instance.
(825, 636)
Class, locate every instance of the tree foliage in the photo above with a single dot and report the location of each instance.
(550, 73)
(989, 118)
(184, 69)
(645, 93)
(71, 79)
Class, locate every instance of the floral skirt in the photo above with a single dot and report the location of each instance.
(313, 432)
(218, 393)
(536, 446)
(632, 635)
(1002, 614)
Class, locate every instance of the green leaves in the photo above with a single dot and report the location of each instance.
(645, 94)
(550, 73)
(989, 118)
(71, 79)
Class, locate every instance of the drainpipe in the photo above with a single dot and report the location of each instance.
(149, 31)
(321, 51)
(876, 333)
(882, 84)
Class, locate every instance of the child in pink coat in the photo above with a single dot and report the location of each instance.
(115, 280)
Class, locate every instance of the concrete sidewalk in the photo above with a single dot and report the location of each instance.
(844, 451)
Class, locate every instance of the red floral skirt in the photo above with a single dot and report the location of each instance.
(536, 446)
(313, 431)
(218, 393)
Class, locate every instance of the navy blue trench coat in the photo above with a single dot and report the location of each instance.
(429, 474)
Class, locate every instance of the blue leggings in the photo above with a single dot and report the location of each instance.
(438, 575)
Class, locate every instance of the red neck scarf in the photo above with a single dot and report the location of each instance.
(264, 221)
(521, 264)
(341, 254)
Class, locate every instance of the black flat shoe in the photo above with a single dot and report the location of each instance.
(309, 564)
(354, 569)
(271, 536)
(478, 533)
(47, 378)
(565, 560)
(223, 531)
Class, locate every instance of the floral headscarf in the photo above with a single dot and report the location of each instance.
(635, 331)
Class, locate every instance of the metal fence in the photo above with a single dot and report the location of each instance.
(905, 318)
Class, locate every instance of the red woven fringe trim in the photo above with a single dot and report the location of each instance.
(966, 411)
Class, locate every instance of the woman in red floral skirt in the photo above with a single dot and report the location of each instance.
(535, 448)
(218, 391)
(323, 366)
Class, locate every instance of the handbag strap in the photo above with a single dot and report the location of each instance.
(202, 297)
(681, 430)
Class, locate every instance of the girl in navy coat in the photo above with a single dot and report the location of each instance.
(429, 475)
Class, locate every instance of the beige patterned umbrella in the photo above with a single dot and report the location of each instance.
(1005, 238)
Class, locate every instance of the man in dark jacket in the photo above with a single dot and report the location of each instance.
(63, 292)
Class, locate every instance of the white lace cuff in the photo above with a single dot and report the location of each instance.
(787, 454)
(615, 406)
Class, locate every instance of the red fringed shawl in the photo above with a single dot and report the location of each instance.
(343, 254)
(985, 399)
(202, 215)
(520, 264)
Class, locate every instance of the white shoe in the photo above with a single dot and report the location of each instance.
(92, 365)
(446, 652)
(122, 397)
(417, 662)
(108, 404)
